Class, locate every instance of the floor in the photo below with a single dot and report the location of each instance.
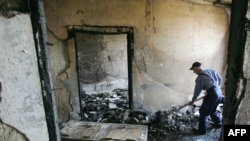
(213, 134)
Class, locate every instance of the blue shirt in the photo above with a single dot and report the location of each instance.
(205, 80)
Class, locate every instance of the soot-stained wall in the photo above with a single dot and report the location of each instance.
(168, 37)
(153, 57)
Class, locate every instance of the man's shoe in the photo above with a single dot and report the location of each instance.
(198, 132)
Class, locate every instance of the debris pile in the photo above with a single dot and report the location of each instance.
(105, 107)
(114, 108)
(168, 124)
(173, 125)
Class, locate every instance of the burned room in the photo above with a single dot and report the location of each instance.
(119, 70)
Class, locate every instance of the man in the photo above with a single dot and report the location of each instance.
(209, 81)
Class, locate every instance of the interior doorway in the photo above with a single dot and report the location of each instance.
(103, 60)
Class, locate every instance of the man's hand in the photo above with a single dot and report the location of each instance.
(191, 103)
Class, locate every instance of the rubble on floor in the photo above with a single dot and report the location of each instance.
(164, 125)
(105, 107)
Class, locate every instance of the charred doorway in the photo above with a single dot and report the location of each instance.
(103, 58)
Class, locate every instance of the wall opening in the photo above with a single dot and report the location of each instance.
(103, 60)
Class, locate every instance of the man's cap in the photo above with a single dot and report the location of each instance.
(195, 64)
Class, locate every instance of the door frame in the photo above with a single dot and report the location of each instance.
(109, 30)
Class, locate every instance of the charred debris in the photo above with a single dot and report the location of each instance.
(113, 107)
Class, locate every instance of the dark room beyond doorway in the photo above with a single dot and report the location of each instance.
(104, 74)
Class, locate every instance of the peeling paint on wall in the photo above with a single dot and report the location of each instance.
(9, 133)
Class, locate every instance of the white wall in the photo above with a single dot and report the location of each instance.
(21, 107)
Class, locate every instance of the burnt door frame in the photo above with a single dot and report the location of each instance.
(108, 31)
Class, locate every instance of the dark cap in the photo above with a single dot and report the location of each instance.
(195, 64)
